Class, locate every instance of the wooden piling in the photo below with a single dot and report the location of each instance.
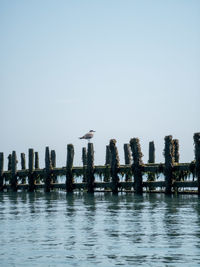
(1, 171)
(84, 160)
(151, 152)
(69, 166)
(9, 162)
(108, 155)
(176, 150)
(151, 176)
(127, 158)
(23, 166)
(31, 178)
(169, 161)
(53, 163)
(197, 158)
(114, 166)
(90, 168)
(14, 171)
(107, 164)
(48, 168)
(53, 158)
(23, 161)
(137, 164)
(36, 160)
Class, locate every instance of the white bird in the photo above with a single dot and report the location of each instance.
(88, 135)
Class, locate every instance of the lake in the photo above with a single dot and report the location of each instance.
(80, 229)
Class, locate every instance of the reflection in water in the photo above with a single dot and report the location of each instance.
(80, 229)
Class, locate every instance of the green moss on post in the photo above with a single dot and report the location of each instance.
(169, 161)
(197, 158)
(84, 160)
(69, 173)
(14, 172)
(31, 178)
(114, 166)
(1, 171)
(48, 168)
(137, 164)
(90, 168)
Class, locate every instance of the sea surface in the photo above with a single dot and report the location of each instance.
(80, 229)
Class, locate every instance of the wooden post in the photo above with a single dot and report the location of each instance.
(36, 160)
(108, 155)
(31, 178)
(53, 162)
(90, 168)
(69, 166)
(151, 176)
(84, 160)
(23, 161)
(114, 166)
(151, 152)
(48, 167)
(137, 164)
(9, 162)
(169, 160)
(127, 157)
(14, 172)
(53, 158)
(23, 166)
(1, 171)
(107, 164)
(197, 158)
(176, 150)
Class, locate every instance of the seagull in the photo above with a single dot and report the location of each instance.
(88, 135)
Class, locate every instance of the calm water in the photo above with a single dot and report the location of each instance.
(56, 229)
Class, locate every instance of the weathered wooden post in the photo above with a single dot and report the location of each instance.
(14, 172)
(151, 176)
(23, 161)
(31, 178)
(84, 160)
(36, 160)
(137, 164)
(151, 152)
(108, 155)
(176, 150)
(169, 161)
(9, 162)
(127, 158)
(114, 166)
(48, 167)
(53, 158)
(107, 164)
(1, 171)
(69, 173)
(23, 166)
(90, 168)
(197, 158)
(53, 163)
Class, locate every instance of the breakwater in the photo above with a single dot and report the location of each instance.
(174, 173)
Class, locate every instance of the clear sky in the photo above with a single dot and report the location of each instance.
(125, 68)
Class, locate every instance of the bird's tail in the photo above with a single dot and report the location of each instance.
(81, 137)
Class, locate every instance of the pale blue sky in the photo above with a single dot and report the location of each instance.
(123, 68)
